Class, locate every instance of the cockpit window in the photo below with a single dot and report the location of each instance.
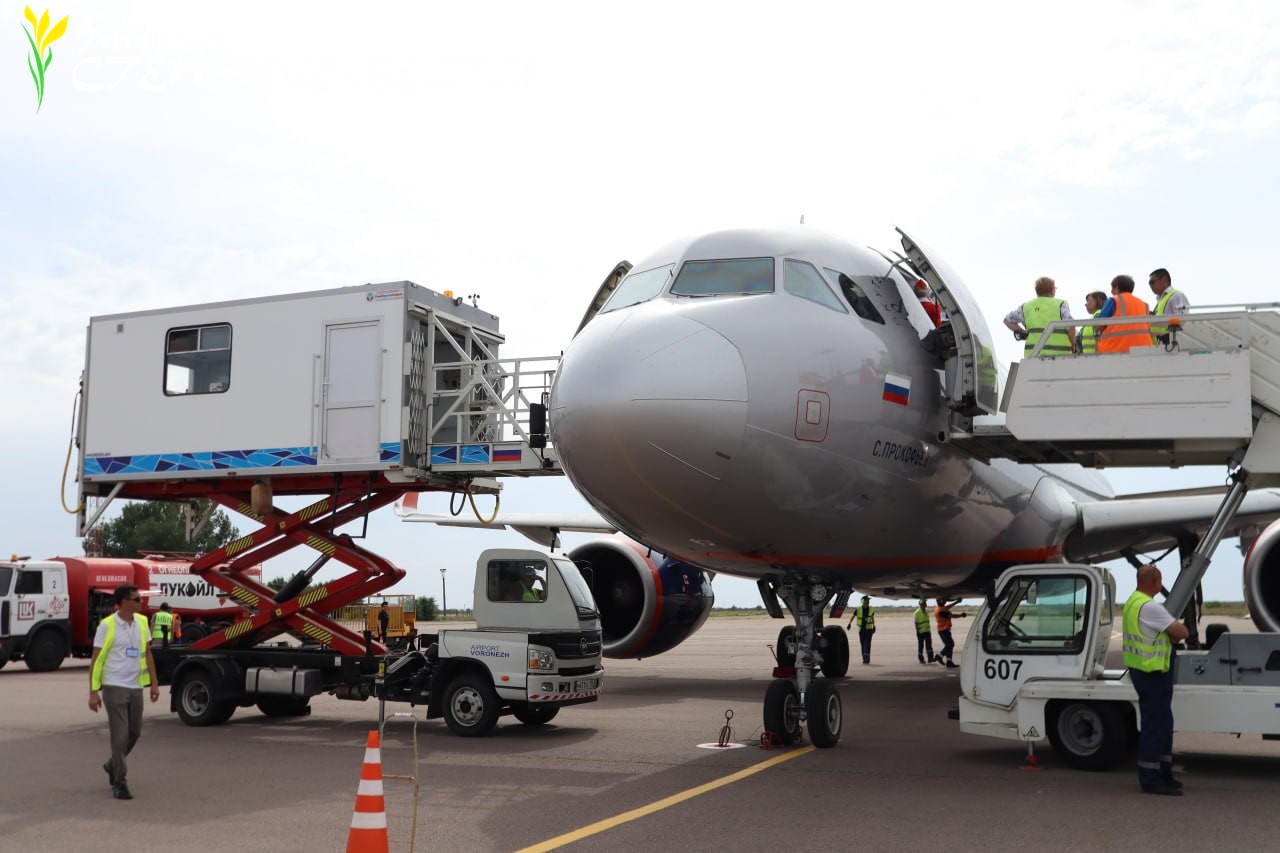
(803, 280)
(638, 287)
(741, 275)
(856, 296)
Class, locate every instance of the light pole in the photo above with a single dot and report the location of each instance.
(444, 596)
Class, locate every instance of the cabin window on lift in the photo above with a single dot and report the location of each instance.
(803, 280)
(516, 580)
(638, 287)
(1042, 615)
(6, 575)
(708, 278)
(856, 296)
(197, 360)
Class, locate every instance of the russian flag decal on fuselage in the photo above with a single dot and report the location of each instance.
(897, 389)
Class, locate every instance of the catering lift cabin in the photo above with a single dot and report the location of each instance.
(354, 395)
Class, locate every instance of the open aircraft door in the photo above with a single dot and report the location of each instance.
(973, 382)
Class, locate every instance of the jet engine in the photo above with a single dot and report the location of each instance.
(1262, 579)
(648, 604)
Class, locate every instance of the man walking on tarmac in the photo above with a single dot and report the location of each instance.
(1149, 635)
(122, 665)
(924, 634)
(865, 616)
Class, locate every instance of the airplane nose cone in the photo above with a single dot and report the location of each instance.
(647, 413)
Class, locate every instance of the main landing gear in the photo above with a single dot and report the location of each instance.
(796, 696)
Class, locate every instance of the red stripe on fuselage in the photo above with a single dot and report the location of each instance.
(1026, 555)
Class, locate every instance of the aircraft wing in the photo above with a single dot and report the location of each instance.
(543, 528)
(1108, 528)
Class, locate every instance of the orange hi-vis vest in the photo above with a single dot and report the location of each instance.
(1122, 338)
(943, 615)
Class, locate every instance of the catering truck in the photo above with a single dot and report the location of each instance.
(50, 609)
(1034, 666)
(535, 649)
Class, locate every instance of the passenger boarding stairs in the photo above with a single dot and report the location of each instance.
(1211, 396)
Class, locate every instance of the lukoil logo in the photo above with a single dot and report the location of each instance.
(40, 37)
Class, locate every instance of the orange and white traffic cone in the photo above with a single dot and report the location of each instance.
(369, 821)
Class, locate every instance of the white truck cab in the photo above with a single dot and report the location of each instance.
(1034, 667)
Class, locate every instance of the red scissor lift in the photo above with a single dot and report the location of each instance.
(346, 499)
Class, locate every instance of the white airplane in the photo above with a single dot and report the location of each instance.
(777, 405)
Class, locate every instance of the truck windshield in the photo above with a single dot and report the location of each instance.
(1042, 615)
(578, 589)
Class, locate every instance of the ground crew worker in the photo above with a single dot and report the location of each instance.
(384, 620)
(1088, 338)
(865, 616)
(1038, 313)
(924, 635)
(527, 577)
(1168, 301)
(942, 615)
(121, 666)
(1149, 635)
(1123, 337)
(162, 625)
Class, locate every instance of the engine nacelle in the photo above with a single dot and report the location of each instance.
(648, 605)
(1262, 579)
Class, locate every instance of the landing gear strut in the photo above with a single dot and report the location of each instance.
(797, 697)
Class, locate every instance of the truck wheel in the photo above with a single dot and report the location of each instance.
(781, 703)
(1089, 735)
(785, 636)
(284, 706)
(470, 705)
(46, 652)
(533, 715)
(194, 631)
(825, 713)
(835, 657)
(198, 704)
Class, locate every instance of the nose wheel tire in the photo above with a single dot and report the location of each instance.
(782, 711)
(835, 654)
(825, 712)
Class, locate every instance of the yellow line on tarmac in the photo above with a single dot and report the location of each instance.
(667, 802)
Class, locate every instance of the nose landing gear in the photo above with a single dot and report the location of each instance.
(797, 697)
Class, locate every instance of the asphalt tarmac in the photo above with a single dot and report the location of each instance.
(625, 773)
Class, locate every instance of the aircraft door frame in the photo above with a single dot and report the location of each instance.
(978, 391)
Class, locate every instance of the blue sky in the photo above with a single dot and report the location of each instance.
(518, 151)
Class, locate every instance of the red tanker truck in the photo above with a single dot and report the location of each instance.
(49, 609)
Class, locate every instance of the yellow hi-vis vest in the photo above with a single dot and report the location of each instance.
(922, 621)
(1088, 337)
(161, 620)
(1157, 331)
(1037, 314)
(1140, 653)
(865, 618)
(144, 677)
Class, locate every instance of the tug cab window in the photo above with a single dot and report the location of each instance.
(708, 278)
(805, 281)
(197, 360)
(638, 287)
(856, 296)
(1042, 615)
(516, 580)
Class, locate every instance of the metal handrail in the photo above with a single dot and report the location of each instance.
(1240, 313)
